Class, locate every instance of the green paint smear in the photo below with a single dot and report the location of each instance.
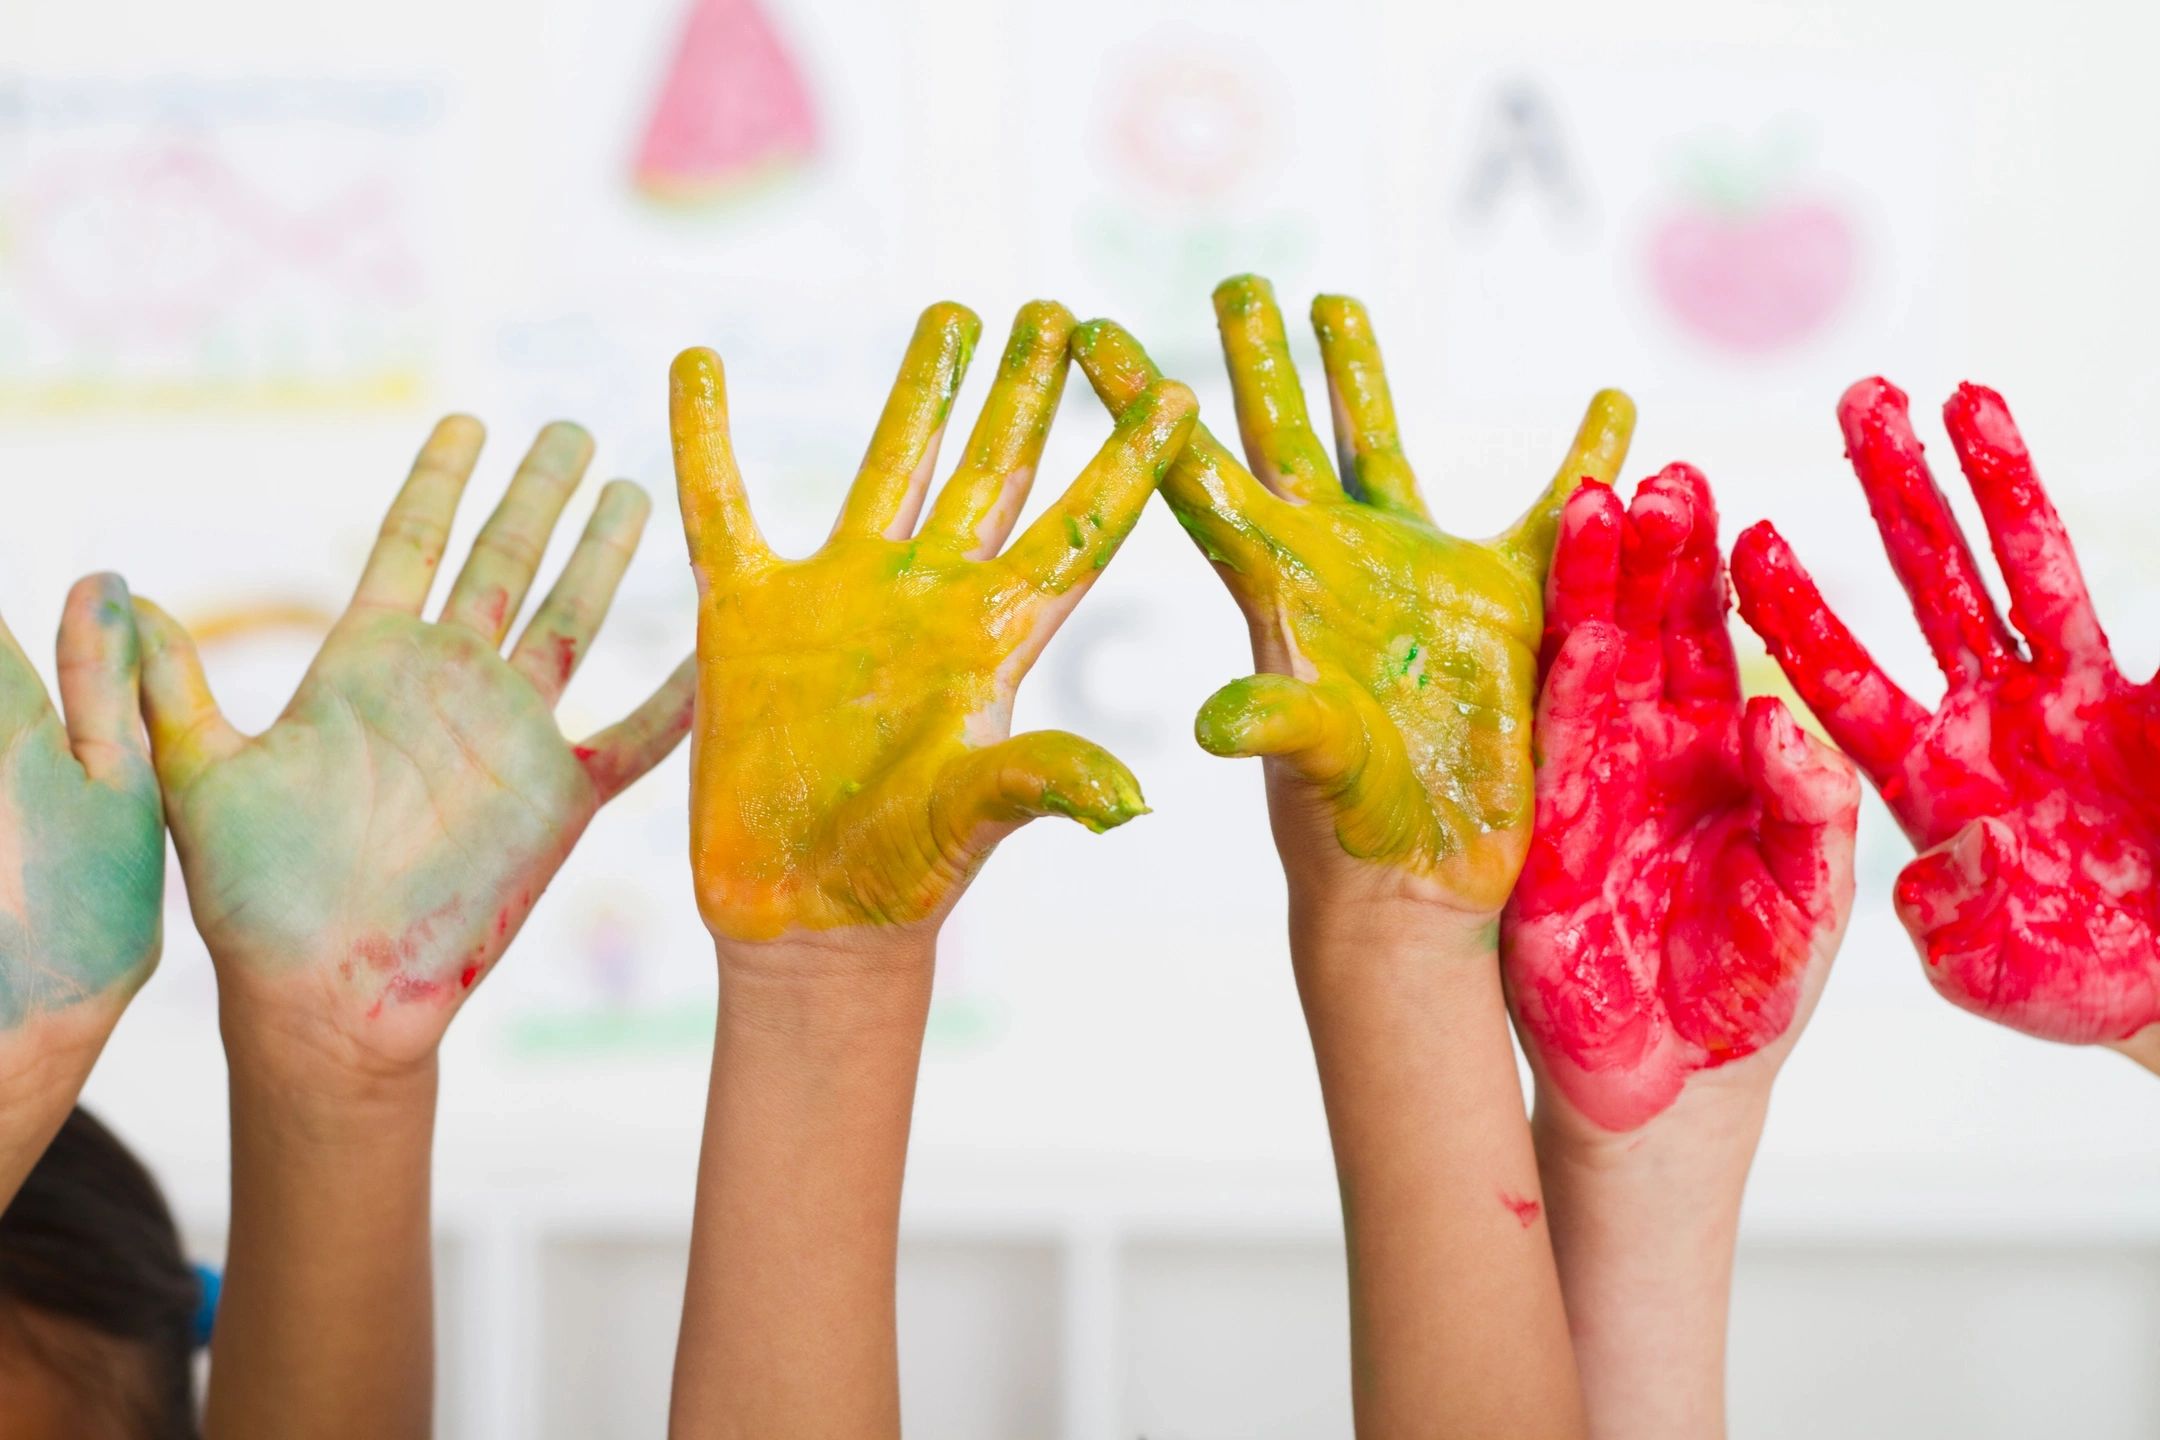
(93, 882)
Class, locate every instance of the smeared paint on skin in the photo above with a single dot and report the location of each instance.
(2030, 789)
(1402, 661)
(1692, 854)
(82, 860)
(850, 753)
(1524, 1210)
(397, 823)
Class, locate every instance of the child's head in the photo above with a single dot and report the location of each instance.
(97, 1305)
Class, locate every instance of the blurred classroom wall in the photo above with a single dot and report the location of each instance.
(246, 256)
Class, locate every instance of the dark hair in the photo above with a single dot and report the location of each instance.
(93, 1285)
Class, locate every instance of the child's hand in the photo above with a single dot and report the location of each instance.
(82, 855)
(852, 766)
(1690, 874)
(1398, 662)
(2032, 789)
(357, 868)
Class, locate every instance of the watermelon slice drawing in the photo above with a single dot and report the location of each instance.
(733, 113)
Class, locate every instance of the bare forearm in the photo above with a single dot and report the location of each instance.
(788, 1322)
(1456, 1320)
(1643, 1228)
(325, 1325)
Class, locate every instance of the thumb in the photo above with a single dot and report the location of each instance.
(1950, 900)
(99, 661)
(1001, 787)
(1810, 808)
(188, 733)
(1317, 734)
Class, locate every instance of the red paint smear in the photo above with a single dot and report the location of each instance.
(566, 658)
(1688, 848)
(466, 976)
(2030, 789)
(495, 608)
(1526, 1211)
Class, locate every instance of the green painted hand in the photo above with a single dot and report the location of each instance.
(357, 868)
(1398, 663)
(852, 762)
(82, 840)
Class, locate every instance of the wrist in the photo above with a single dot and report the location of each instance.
(286, 1091)
(1686, 1165)
(841, 985)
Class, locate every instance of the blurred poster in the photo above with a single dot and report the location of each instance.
(1735, 229)
(187, 242)
(1187, 143)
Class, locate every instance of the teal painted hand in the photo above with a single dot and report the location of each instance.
(357, 868)
(82, 842)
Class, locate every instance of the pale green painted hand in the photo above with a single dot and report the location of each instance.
(82, 841)
(1398, 662)
(357, 868)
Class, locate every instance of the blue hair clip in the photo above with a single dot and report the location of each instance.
(207, 1285)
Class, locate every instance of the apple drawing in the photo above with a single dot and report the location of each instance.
(1749, 266)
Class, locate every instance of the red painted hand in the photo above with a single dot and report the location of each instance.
(1691, 868)
(2033, 791)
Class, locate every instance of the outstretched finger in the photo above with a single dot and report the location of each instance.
(620, 755)
(991, 791)
(722, 534)
(1072, 540)
(888, 490)
(1582, 782)
(1322, 738)
(188, 733)
(1368, 445)
(2048, 600)
(401, 569)
(976, 509)
(1598, 451)
(1699, 660)
(491, 588)
(1658, 525)
(555, 641)
(101, 678)
(1810, 807)
(1584, 582)
(1869, 717)
(1229, 514)
(1926, 547)
(1272, 421)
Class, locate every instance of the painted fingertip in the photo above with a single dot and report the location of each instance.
(1105, 802)
(954, 321)
(1335, 317)
(1875, 413)
(1228, 720)
(624, 499)
(1976, 413)
(698, 380)
(459, 428)
(1242, 294)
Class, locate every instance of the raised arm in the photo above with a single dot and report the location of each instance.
(356, 871)
(853, 768)
(1687, 885)
(1397, 666)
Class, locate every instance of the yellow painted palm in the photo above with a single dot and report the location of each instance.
(1398, 662)
(850, 751)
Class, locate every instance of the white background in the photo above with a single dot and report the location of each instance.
(1120, 1213)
